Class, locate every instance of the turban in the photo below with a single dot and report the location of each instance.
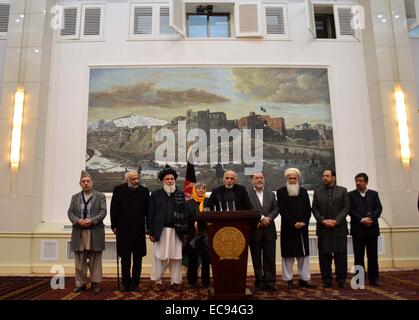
(167, 170)
(292, 170)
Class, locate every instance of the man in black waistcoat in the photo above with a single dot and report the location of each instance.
(365, 209)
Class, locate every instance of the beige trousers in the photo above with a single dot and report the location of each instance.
(91, 260)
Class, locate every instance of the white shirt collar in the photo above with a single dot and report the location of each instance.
(256, 190)
(259, 194)
(363, 194)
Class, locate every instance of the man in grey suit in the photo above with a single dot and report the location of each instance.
(86, 213)
(330, 208)
(263, 238)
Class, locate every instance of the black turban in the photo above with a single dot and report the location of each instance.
(167, 170)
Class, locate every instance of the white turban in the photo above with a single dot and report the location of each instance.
(292, 170)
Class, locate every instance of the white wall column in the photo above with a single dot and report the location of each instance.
(388, 63)
(27, 66)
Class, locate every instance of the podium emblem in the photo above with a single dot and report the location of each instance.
(229, 243)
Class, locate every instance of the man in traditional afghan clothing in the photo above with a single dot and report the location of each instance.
(167, 229)
(330, 208)
(86, 212)
(295, 210)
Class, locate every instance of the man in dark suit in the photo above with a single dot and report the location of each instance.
(365, 209)
(230, 196)
(263, 238)
(128, 220)
(330, 208)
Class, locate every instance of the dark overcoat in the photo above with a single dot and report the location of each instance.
(128, 216)
(294, 242)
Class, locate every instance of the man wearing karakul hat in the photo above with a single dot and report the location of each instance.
(167, 229)
(86, 213)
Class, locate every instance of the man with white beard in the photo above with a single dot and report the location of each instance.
(167, 229)
(129, 207)
(295, 210)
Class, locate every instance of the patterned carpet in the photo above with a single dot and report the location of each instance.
(395, 285)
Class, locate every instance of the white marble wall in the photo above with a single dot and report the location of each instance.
(414, 46)
(388, 62)
(27, 65)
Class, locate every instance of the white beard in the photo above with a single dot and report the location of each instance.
(131, 186)
(169, 189)
(293, 189)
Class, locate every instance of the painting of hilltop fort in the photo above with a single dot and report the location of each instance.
(220, 118)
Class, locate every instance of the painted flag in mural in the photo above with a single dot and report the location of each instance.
(190, 177)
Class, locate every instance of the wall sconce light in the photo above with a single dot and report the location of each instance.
(17, 129)
(403, 129)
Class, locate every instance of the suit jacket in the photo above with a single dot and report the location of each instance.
(128, 216)
(359, 207)
(338, 210)
(157, 211)
(269, 209)
(242, 201)
(97, 213)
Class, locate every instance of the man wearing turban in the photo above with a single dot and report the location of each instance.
(167, 229)
(295, 210)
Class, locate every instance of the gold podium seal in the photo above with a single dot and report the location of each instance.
(229, 243)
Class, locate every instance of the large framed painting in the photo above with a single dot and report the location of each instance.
(245, 119)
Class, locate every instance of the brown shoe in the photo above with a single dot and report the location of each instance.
(158, 287)
(176, 287)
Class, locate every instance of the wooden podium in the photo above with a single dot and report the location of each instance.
(228, 233)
